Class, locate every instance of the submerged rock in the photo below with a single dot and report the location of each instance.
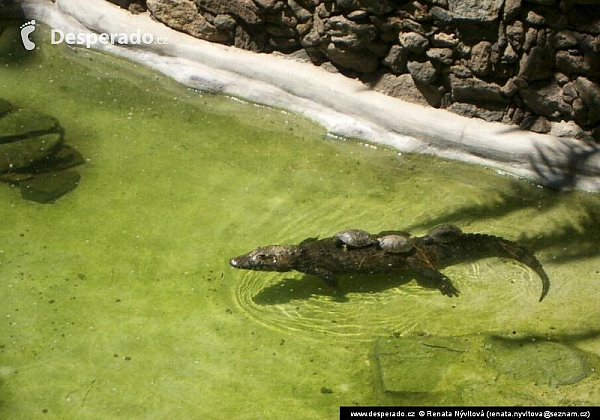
(416, 364)
(47, 187)
(33, 156)
(543, 362)
(26, 137)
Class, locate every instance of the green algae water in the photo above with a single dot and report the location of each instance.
(118, 301)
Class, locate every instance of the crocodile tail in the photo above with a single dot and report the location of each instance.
(496, 246)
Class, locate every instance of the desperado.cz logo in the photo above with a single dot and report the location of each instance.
(91, 38)
(26, 29)
(88, 39)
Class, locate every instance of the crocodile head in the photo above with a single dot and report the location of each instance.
(268, 258)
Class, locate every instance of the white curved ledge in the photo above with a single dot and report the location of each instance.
(344, 106)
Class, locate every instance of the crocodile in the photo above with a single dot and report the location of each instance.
(326, 259)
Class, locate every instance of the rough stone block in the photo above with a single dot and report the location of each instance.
(475, 10)
(542, 362)
(415, 365)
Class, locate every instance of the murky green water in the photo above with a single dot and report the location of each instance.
(118, 300)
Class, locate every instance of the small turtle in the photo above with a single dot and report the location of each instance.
(353, 238)
(395, 244)
(444, 234)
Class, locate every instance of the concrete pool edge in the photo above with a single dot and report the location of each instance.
(343, 106)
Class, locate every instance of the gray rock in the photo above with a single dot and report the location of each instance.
(396, 59)
(475, 91)
(247, 41)
(323, 10)
(546, 99)
(416, 364)
(480, 58)
(362, 61)
(378, 7)
(569, 93)
(183, 16)
(510, 87)
(267, 4)
(404, 87)
(312, 39)
(348, 33)
(566, 129)
(444, 40)
(530, 39)
(409, 25)
(441, 15)
(563, 39)
(48, 187)
(580, 111)
(224, 23)
(422, 73)
(299, 12)
(475, 10)
(511, 9)
(516, 35)
(589, 92)
(561, 78)
(540, 125)
(542, 362)
(413, 42)
(569, 63)
(461, 71)
(509, 56)
(246, 10)
(473, 111)
(537, 64)
(358, 15)
(534, 19)
(440, 55)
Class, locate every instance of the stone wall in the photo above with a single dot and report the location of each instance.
(535, 63)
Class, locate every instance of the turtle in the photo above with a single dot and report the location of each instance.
(353, 238)
(444, 234)
(395, 244)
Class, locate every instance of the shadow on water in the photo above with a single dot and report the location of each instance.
(570, 241)
(300, 289)
(557, 169)
(572, 161)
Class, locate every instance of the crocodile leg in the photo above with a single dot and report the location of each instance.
(328, 277)
(434, 278)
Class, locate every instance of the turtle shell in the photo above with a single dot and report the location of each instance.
(353, 238)
(445, 233)
(396, 244)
